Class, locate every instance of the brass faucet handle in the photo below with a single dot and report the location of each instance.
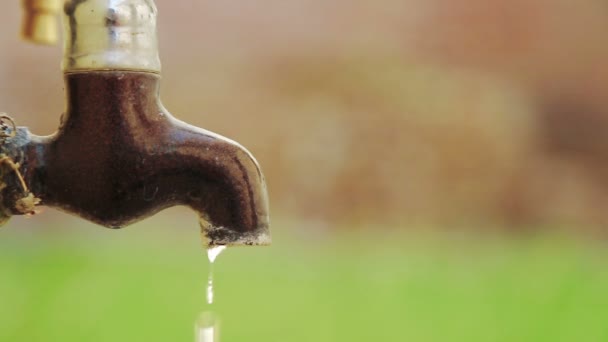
(40, 21)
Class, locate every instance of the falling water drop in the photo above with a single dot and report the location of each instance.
(212, 254)
(207, 328)
(207, 324)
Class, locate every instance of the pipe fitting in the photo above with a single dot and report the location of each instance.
(110, 35)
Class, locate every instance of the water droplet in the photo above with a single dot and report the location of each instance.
(206, 328)
(212, 254)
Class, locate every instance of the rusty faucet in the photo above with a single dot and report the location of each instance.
(119, 156)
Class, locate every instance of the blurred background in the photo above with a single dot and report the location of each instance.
(437, 172)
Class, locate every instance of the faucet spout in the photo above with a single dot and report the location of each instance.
(119, 156)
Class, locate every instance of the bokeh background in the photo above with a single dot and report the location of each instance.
(438, 171)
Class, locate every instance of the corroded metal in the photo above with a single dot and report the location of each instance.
(110, 35)
(119, 156)
(15, 196)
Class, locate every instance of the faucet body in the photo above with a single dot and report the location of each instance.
(119, 156)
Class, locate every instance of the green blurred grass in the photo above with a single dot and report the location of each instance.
(146, 283)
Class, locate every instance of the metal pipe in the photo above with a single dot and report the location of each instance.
(110, 35)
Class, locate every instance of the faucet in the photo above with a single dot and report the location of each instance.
(119, 156)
